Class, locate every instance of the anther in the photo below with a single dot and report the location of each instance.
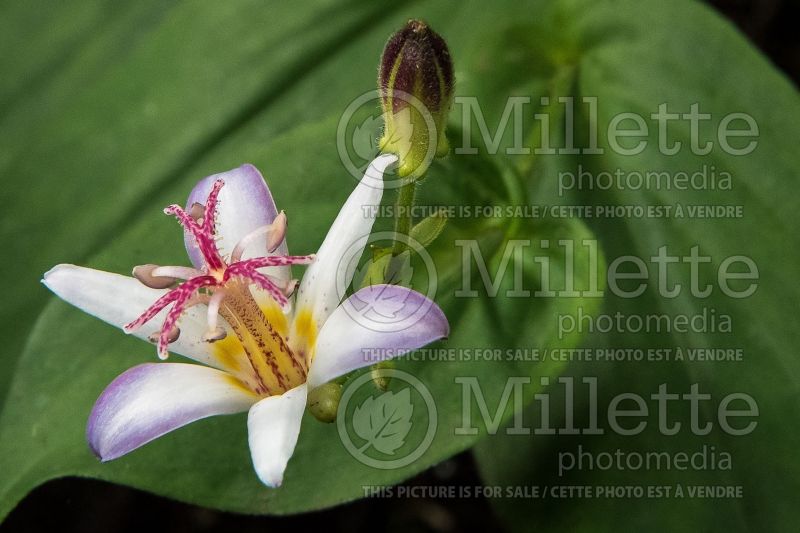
(173, 335)
(217, 334)
(277, 232)
(144, 273)
(197, 212)
(291, 287)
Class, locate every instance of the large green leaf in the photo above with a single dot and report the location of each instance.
(106, 105)
(143, 103)
(70, 357)
(634, 56)
(109, 111)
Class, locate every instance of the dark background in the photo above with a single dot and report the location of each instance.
(85, 505)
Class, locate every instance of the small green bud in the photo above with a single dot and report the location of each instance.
(416, 84)
(379, 377)
(384, 267)
(323, 402)
(429, 228)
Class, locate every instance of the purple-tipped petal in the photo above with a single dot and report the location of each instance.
(245, 204)
(273, 425)
(152, 399)
(376, 323)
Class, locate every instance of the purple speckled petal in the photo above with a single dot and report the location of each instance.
(376, 323)
(152, 399)
(245, 204)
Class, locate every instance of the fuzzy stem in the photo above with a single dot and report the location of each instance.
(402, 222)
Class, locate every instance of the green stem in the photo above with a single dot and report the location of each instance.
(402, 221)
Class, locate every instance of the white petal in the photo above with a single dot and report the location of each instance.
(326, 280)
(118, 300)
(273, 425)
(376, 323)
(152, 399)
(245, 204)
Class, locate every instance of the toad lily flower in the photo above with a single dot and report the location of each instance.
(261, 347)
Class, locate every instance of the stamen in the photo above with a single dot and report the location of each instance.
(148, 276)
(291, 286)
(215, 332)
(176, 272)
(275, 232)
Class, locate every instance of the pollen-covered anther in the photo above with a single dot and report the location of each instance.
(144, 273)
(217, 334)
(275, 235)
(174, 334)
(277, 232)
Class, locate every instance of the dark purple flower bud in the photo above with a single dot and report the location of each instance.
(416, 84)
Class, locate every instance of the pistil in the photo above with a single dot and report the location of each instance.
(224, 285)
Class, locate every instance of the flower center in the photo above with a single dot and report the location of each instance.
(276, 368)
(224, 286)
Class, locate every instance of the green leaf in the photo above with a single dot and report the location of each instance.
(382, 267)
(384, 422)
(70, 357)
(104, 109)
(634, 56)
(427, 229)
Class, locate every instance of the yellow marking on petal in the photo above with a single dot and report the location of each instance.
(236, 382)
(304, 337)
(275, 316)
(229, 353)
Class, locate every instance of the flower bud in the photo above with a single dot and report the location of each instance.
(323, 402)
(379, 374)
(416, 86)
